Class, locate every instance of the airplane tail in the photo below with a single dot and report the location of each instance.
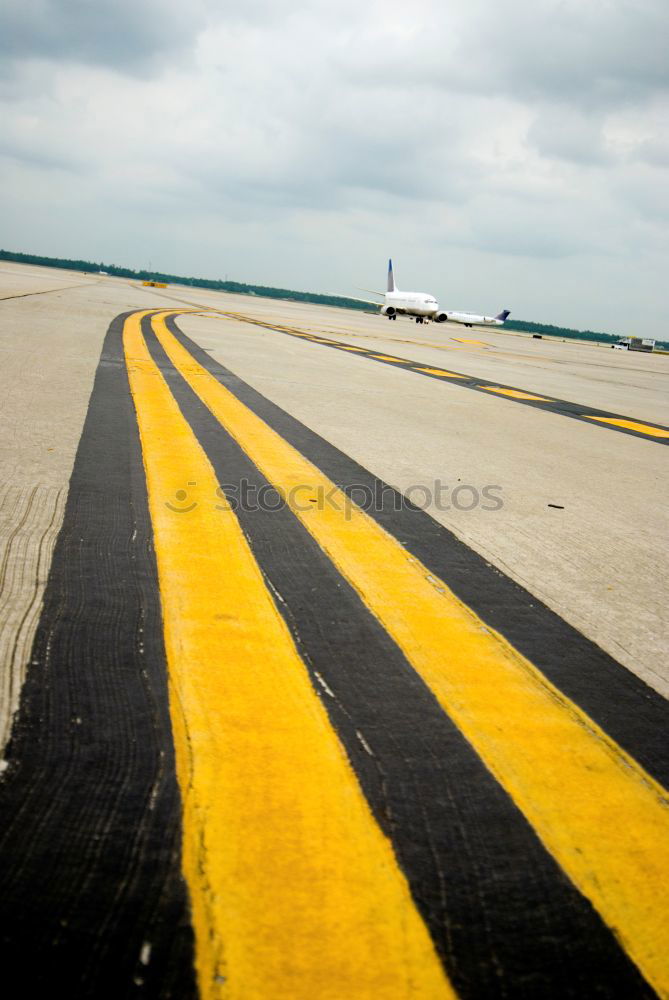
(391, 278)
(503, 315)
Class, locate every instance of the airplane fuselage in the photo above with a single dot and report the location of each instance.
(473, 319)
(425, 306)
(410, 304)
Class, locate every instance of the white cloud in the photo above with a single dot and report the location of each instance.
(489, 146)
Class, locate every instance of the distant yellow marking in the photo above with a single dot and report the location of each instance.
(598, 812)
(440, 371)
(511, 393)
(632, 425)
(294, 889)
(514, 393)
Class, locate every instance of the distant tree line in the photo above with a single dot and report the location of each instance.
(216, 284)
(546, 330)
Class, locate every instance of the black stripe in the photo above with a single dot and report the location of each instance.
(632, 713)
(502, 914)
(561, 406)
(90, 832)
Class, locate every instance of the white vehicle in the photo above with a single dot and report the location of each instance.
(635, 344)
(425, 307)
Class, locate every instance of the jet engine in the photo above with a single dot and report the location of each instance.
(388, 310)
(440, 317)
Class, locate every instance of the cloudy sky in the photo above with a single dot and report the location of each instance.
(507, 154)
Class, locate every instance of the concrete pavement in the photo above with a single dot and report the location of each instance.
(322, 741)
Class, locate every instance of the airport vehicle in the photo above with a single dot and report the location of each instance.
(424, 307)
(635, 344)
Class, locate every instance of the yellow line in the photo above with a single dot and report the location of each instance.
(603, 818)
(295, 891)
(440, 371)
(514, 393)
(632, 425)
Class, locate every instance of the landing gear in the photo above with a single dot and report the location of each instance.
(419, 319)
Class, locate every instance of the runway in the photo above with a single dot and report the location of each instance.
(285, 731)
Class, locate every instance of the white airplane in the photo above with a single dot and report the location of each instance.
(425, 307)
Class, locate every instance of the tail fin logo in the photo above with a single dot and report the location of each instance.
(391, 277)
(503, 315)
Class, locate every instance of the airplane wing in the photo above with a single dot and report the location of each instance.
(355, 298)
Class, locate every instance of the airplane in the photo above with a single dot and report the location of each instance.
(425, 307)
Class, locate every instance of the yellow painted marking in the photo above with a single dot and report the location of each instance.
(440, 371)
(295, 890)
(514, 393)
(602, 817)
(632, 425)
(464, 340)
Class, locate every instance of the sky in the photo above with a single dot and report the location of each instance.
(506, 154)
